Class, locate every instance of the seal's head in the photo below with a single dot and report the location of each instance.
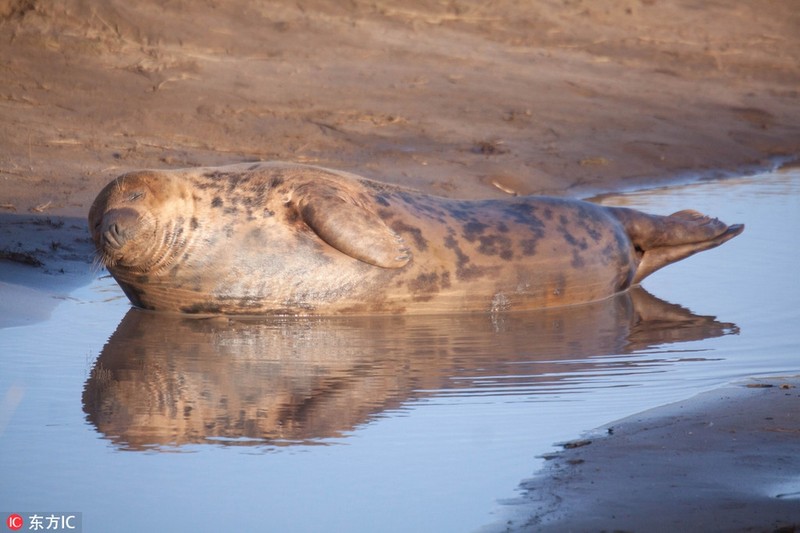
(131, 224)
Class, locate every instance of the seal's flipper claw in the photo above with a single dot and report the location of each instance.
(699, 220)
(352, 229)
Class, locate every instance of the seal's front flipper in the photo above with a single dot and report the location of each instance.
(351, 228)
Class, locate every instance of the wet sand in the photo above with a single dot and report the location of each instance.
(726, 460)
(462, 99)
(468, 99)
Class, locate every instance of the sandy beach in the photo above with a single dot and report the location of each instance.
(461, 99)
(725, 460)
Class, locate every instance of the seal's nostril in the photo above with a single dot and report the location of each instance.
(110, 239)
(114, 236)
(117, 227)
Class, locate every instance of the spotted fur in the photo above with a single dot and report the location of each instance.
(278, 238)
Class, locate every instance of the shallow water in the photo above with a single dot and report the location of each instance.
(146, 422)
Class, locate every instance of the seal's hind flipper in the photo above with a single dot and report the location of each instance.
(351, 228)
(647, 232)
(656, 258)
(659, 240)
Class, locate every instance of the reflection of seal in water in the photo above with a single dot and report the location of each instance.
(170, 379)
(292, 239)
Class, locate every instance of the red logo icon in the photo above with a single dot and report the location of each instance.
(14, 522)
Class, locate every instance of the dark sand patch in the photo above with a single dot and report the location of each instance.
(42, 259)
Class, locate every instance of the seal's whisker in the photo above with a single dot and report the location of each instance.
(101, 261)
